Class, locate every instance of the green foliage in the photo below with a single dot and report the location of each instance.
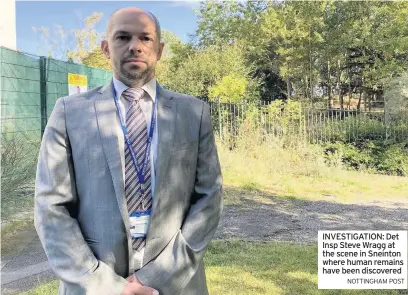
(225, 22)
(87, 39)
(96, 59)
(284, 119)
(292, 111)
(294, 29)
(310, 43)
(72, 45)
(393, 159)
(352, 128)
(251, 119)
(385, 157)
(206, 67)
(174, 54)
(231, 88)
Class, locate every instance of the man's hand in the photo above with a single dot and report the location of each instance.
(134, 288)
(133, 279)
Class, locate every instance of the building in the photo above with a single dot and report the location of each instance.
(8, 24)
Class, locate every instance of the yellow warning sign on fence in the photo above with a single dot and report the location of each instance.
(77, 83)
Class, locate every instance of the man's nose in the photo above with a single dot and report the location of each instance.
(135, 45)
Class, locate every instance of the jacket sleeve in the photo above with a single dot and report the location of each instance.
(55, 197)
(173, 268)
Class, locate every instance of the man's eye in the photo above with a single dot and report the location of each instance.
(147, 39)
(122, 38)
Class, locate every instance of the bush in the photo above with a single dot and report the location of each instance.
(385, 157)
(354, 128)
(265, 157)
(394, 160)
(18, 166)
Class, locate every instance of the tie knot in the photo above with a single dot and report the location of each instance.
(133, 94)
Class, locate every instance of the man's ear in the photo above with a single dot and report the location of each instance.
(105, 48)
(159, 54)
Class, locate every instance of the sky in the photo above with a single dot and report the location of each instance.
(175, 16)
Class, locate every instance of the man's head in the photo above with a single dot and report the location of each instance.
(133, 45)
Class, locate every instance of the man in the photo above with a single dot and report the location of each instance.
(128, 189)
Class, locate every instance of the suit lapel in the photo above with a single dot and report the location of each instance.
(113, 144)
(166, 116)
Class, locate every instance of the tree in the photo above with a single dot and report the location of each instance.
(294, 31)
(231, 88)
(96, 59)
(58, 43)
(225, 22)
(174, 53)
(205, 67)
(87, 39)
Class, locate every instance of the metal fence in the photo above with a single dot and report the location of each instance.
(298, 122)
(30, 86)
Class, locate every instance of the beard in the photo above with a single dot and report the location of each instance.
(132, 79)
(134, 76)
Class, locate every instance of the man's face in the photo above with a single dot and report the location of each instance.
(132, 46)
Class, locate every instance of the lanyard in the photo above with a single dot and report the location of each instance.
(140, 172)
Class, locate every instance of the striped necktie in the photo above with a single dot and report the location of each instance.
(137, 132)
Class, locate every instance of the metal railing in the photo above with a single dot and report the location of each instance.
(306, 123)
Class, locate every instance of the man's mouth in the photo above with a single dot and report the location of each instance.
(134, 60)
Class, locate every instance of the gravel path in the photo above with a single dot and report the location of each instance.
(298, 221)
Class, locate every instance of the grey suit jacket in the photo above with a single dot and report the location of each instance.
(80, 210)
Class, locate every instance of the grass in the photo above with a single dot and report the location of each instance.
(14, 206)
(49, 288)
(235, 267)
(14, 227)
(16, 235)
(299, 171)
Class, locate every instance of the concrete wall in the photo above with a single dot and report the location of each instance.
(8, 24)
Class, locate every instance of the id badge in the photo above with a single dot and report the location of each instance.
(139, 223)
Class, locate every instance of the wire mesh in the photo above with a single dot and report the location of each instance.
(22, 109)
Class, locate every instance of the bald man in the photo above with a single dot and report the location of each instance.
(128, 187)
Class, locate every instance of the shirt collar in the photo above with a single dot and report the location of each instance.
(149, 87)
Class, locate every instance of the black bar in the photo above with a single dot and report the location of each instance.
(43, 89)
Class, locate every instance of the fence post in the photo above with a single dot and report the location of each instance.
(43, 91)
(219, 118)
(386, 121)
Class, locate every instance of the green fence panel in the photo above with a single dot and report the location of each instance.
(20, 88)
(20, 92)
(57, 79)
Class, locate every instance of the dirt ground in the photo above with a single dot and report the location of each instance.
(299, 221)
